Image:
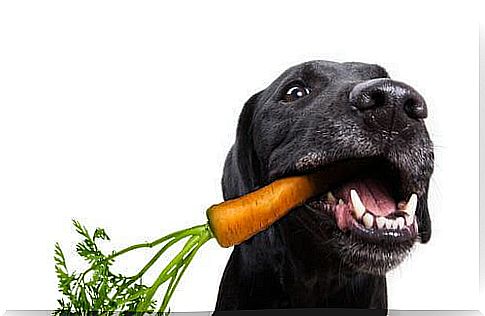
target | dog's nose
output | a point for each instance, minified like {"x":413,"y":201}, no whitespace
{"x":384,"y":92}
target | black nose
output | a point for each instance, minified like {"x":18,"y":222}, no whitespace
{"x":379,"y":93}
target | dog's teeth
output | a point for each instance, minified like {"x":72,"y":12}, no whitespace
{"x":400,"y":222}
{"x":409,"y":220}
{"x":341,"y":202}
{"x":331,"y":198}
{"x":381,"y":222}
{"x":358,"y":206}
{"x":368,"y":220}
{"x":411,"y":205}
{"x":394,"y":224}
{"x":389,"y":223}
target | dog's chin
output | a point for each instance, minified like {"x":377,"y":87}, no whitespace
{"x":358,"y":249}
{"x":361,"y":255}
{"x":366,"y":248}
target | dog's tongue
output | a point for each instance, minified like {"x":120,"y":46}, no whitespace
{"x":373,"y":194}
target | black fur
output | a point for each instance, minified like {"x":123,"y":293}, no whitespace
{"x":303,"y":260}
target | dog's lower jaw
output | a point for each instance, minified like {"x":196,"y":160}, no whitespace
{"x":273,"y":280}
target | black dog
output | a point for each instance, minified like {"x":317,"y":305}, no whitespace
{"x":366,"y":133}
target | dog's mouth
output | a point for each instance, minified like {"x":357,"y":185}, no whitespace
{"x":368,"y":205}
{"x":373,"y":210}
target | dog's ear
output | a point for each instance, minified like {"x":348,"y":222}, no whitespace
{"x":242,"y":171}
{"x":424,"y":221}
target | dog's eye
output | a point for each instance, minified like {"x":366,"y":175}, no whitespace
{"x":295,"y":91}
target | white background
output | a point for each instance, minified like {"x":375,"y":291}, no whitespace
{"x":120,"y":114}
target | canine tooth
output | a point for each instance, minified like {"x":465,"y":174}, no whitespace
{"x":411,"y":206}
{"x":331,"y":198}
{"x":400,"y":222}
{"x":368,"y":220}
{"x":359,"y":208}
{"x":381,"y":222}
{"x":341,"y":202}
{"x":409,"y":220}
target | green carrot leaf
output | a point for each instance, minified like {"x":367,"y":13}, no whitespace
{"x":99,"y":289}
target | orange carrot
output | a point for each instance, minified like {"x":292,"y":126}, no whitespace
{"x":236,"y":220}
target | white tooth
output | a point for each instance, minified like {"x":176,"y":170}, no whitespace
{"x":409,"y":220}
{"x":411,"y":206}
{"x":394,"y":224}
{"x":389,"y":223}
{"x":331,"y":198}
{"x":341,"y":202}
{"x":381,"y":222}
{"x":358,"y":206}
{"x":368,"y":220}
{"x":400,"y":222}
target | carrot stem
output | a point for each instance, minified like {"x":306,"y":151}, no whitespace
{"x":171,"y":289}
{"x":177,"y":235}
{"x":199,"y":235}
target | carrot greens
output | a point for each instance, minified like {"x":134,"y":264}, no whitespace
{"x":99,"y":289}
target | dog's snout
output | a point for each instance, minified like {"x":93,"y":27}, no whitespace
{"x":381,"y":93}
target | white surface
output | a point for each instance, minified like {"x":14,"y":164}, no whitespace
{"x":120,"y":114}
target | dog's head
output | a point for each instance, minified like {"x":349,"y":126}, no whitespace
{"x":365,"y":132}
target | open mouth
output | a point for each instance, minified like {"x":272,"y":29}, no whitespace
{"x":367,"y":213}
{"x":368,"y":199}
{"x":365,"y":207}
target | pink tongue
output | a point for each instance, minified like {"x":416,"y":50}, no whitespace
{"x":373,"y":194}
